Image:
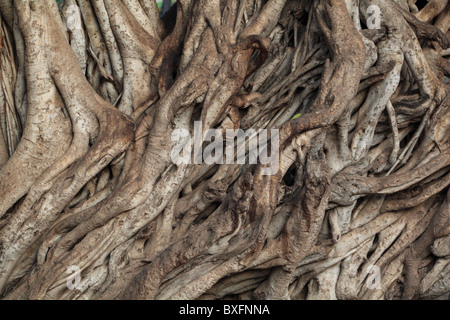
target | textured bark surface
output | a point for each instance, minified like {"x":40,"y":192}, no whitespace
{"x":92,"y":205}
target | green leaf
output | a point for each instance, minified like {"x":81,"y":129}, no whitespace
{"x":298,"y":115}
{"x":159,"y":3}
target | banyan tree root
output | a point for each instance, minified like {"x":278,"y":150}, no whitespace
{"x":352,"y":203}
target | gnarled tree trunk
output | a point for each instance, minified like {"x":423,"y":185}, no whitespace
{"x":352,"y":204}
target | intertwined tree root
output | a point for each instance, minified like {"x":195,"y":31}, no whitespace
{"x":92,"y":92}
